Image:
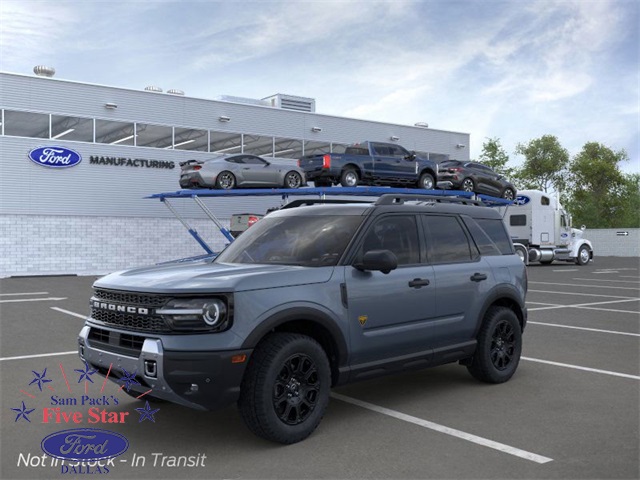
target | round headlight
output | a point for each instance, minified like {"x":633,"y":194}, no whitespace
{"x":214,"y":312}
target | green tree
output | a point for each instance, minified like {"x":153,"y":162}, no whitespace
{"x":545,"y":164}
{"x":493,"y":155}
{"x":599,"y":194}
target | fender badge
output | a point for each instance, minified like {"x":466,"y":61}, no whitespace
{"x":362,"y":319}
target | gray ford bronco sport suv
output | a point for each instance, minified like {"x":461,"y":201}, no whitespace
{"x":314,"y":297}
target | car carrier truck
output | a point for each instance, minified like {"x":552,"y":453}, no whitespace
{"x":541,"y":230}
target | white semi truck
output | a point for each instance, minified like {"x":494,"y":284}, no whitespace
{"x":541,"y":230}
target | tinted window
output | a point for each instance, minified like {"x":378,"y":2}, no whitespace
{"x":448,"y":242}
{"x":485,"y":245}
{"x":518,"y":220}
{"x":254,"y":160}
{"x":397,"y":233}
{"x":494,"y":228}
{"x":311,"y":241}
{"x":545,"y":201}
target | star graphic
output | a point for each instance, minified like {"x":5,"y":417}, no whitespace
{"x":146,"y":412}
{"x":129,"y":379}
{"x":40,"y":378}
{"x":86,"y":373}
{"x":23,"y":413}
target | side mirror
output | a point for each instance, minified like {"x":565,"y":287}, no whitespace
{"x":378,"y":260}
{"x":411,"y":156}
{"x":583,"y":228}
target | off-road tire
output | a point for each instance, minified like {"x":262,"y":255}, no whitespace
{"x":272,"y":383}
{"x":499,"y":346}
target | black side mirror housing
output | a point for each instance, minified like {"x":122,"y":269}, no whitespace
{"x":378,"y":260}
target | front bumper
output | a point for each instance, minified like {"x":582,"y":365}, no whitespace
{"x":201,"y":380}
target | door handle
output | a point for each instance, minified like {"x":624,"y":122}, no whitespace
{"x":418,"y":282}
{"x":478,"y":277}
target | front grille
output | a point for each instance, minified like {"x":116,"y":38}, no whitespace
{"x":130,"y":298}
{"x":139,"y":322}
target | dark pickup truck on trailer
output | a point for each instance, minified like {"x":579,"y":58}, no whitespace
{"x":371,"y":163}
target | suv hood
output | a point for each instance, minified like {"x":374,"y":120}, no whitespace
{"x":212,"y":277}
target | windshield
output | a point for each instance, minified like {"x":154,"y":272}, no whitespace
{"x":312,"y":241}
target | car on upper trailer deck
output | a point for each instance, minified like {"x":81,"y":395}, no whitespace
{"x":240,"y":170}
{"x":475,"y":177}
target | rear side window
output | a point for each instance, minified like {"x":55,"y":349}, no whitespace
{"x":447,"y":241}
{"x":494,"y":227}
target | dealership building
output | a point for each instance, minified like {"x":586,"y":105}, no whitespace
{"x":92,"y":217}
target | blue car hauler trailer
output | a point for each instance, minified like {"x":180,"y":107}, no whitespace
{"x":321,"y":193}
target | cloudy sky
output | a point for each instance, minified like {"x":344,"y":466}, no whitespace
{"x":514,"y":70}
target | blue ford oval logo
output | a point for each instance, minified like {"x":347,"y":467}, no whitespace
{"x":55,"y":157}
{"x":84,"y":444}
{"x":522,"y":200}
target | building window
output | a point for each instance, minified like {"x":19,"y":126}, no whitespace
{"x":72,"y":128}
{"x":155,"y":136}
{"x":26,"y":124}
{"x":258,"y":145}
{"x":225,"y":142}
{"x":316,"y":148}
{"x":191,"y":139}
{"x":287,"y":148}
{"x":115,"y":133}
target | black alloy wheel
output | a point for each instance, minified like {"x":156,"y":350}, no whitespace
{"x":503,"y":345}
{"x":295,"y":394}
{"x":499,"y":346}
{"x":285,"y":389}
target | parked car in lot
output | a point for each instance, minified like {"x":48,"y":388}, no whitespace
{"x":475,"y":177}
{"x":240,"y":170}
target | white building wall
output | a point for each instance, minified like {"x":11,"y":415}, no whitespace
{"x":611,"y":242}
{"x":54,"y":245}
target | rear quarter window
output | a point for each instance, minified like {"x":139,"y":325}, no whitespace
{"x":495,"y":230}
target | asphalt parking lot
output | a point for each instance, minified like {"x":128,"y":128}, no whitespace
{"x":571,"y":410}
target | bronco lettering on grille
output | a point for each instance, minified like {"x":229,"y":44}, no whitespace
{"x":120,"y":308}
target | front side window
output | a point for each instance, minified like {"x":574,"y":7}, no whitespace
{"x":397,"y":233}
{"x":310,"y":241}
{"x":448,"y":242}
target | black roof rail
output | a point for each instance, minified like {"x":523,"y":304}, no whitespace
{"x":399,"y":199}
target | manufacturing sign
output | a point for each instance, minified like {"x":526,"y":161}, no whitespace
{"x":55,"y":157}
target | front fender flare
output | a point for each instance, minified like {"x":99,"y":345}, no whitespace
{"x":305,"y":313}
